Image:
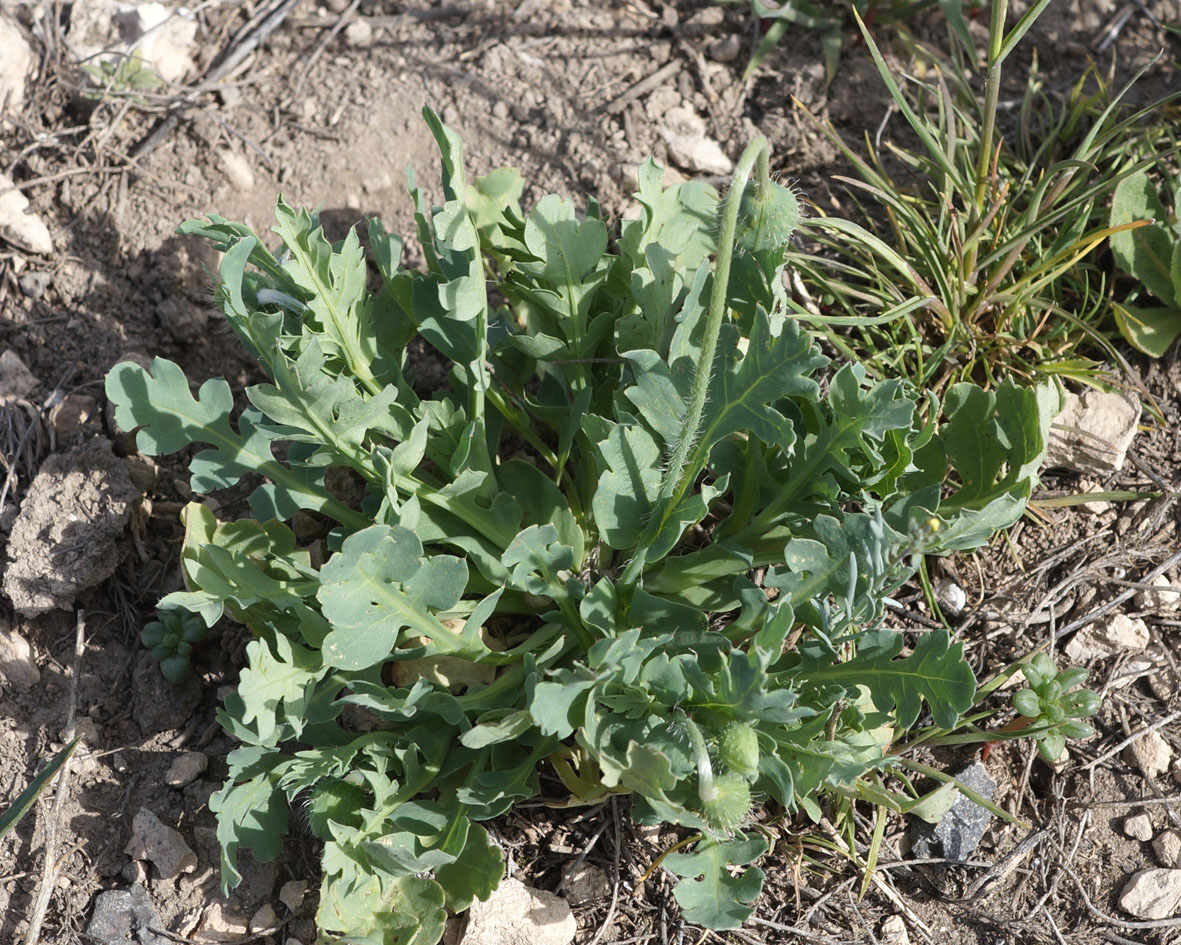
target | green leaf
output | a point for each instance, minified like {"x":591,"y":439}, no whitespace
{"x":1146,"y":252}
{"x":934,"y":671}
{"x":709,"y":895}
{"x":251,"y":814}
{"x":1151,"y":330}
{"x":407,"y":910}
{"x":277,"y":681}
{"x":380,"y":584}
{"x":475,"y":874}
{"x":28,"y":797}
{"x":624,"y":497}
{"x":534,"y":561}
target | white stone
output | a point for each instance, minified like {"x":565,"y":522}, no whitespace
{"x":1099,"y":640}
{"x":220,"y":924}
{"x":1158,"y":601}
{"x":584,"y":882}
{"x":158,"y":843}
{"x":291,"y":893}
{"x":1138,"y":827}
{"x":1167,"y":847}
{"x":517,"y":914}
{"x":1095,"y":506}
{"x":684,"y":133}
{"x":185,"y":769}
{"x":25,"y":230}
{"x":893,"y":931}
{"x":264,"y":919}
{"x":1130,"y":670}
{"x":359,"y":33}
{"x":164,"y":41}
{"x":18,"y":669}
{"x":16,"y":61}
{"x":1093,"y":432}
{"x":237,"y":169}
{"x":1151,"y":754}
{"x":1152,"y":894}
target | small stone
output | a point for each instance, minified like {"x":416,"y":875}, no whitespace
{"x":185,"y":769}
{"x":1131,"y":669}
{"x":16,"y":380}
{"x":517,"y":914}
{"x":894,"y":932}
{"x":125,"y":915}
{"x":237,"y":169}
{"x":951,"y":595}
{"x":164,"y":847}
{"x":34,"y":283}
{"x":1167,"y":847}
{"x":1158,"y":601}
{"x":292,"y":893}
{"x":18,"y":669}
{"x":1152,"y":894}
{"x":164,"y":41}
{"x":264,"y":919}
{"x":960,"y":830}
{"x":1138,"y":827}
{"x":220,"y":924}
{"x":1095,"y":506}
{"x":450,"y":115}
{"x":24,"y":230}
{"x":500,"y":110}
{"x":1151,"y":754}
{"x":16,"y":61}
{"x":584,"y":883}
{"x":684,"y":134}
{"x":726,"y":49}
{"x":359,"y":34}
{"x":704,"y":22}
{"x":1093,"y":432}
{"x":230,"y":95}
{"x":1099,"y":640}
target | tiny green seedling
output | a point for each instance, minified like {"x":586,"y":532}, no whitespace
{"x":1052,"y":709}
{"x":171,"y":637}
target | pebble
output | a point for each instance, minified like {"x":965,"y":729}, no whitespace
{"x":74,"y":412}
{"x":185,"y":769}
{"x":500,"y":110}
{"x":517,"y":914}
{"x":1138,"y":827}
{"x":1099,"y":640}
{"x":18,"y":669}
{"x":34,"y":283}
{"x":359,"y":34}
{"x":1167,"y":847}
{"x":450,"y":115}
{"x":125,"y":915}
{"x":16,"y":62}
{"x":263,"y":919}
{"x":704,"y":22}
{"x":961,"y":829}
{"x":292,"y":893}
{"x":1152,"y":894}
{"x":237,"y":169}
{"x":1093,"y":432}
{"x":1151,"y":754}
{"x":158,"y":843}
{"x":726,"y":49}
{"x":220,"y":924}
{"x":1158,"y":601}
{"x":689,"y":147}
{"x":893,"y":931}
{"x":16,"y":380}
{"x":25,"y":230}
{"x":584,"y":882}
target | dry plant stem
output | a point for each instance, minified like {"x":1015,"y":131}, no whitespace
{"x":50,"y":866}
{"x":1118,"y":599}
{"x":1135,"y":736}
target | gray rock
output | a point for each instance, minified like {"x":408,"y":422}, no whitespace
{"x":1093,"y":432}
{"x":34,"y":283}
{"x":18,"y":666}
{"x":1152,"y":894}
{"x":123,"y":916}
{"x":960,"y":830}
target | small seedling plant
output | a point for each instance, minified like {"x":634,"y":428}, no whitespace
{"x":640,"y":543}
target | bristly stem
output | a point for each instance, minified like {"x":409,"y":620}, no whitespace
{"x":679,"y":476}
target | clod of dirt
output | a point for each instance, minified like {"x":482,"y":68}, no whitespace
{"x":359,"y":34}
{"x":158,"y":843}
{"x":182,"y":319}
{"x":517,"y":914}
{"x":185,"y":769}
{"x":72,"y":414}
{"x":1151,"y":754}
{"x":292,"y":893}
{"x":124,"y":916}
{"x":63,"y":540}
{"x":17,"y":666}
{"x":16,"y":61}
{"x":960,"y":830}
{"x":583,"y":882}
{"x":688,"y":147}
{"x":160,"y":705}
{"x":1152,"y":894}
{"x":24,"y":230}
{"x":1096,"y":641}
{"x":1093,"y":432}
{"x":1158,"y":601}
{"x":1167,"y":847}
{"x":1138,"y":827}
{"x":893,"y":931}
{"x":16,"y":380}
{"x":704,"y":22}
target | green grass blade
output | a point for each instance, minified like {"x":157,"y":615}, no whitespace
{"x":28,"y":797}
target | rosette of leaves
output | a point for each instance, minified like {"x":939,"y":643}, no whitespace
{"x":645,"y":508}
{"x":171,"y":637}
{"x":1052,"y":709}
